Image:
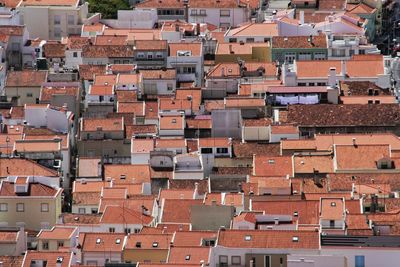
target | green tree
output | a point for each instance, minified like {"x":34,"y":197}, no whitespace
{"x":108,"y":8}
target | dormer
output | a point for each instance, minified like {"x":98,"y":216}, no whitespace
{"x":384,"y":163}
{"x":21,"y":185}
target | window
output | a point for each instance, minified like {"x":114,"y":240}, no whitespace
{"x":127,"y":230}
{"x":71,"y":19}
{"x":20,"y":207}
{"x":57,"y":32}
{"x":3,"y":207}
{"x":149,"y":56}
{"x":302,"y":84}
{"x":232,"y":40}
{"x":45,"y":245}
{"x":359,"y":261}
{"x":225,"y":13}
{"x":236,"y":260}
{"x":222,"y":150}
{"x":319,"y":56}
{"x":29,"y":95}
{"x":304,"y":56}
{"x":44,"y":207}
{"x":202,"y":12}
{"x":193,"y":12}
{"x":249,"y":40}
{"x":57,"y":19}
{"x":321,"y":84}
{"x":290,"y":57}
{"x":75,"y":54}
{"x":331,"y":223}
{"x":268,"y":261}
{"x":169,"y":87}
{"x":94,"y":210}
{"x":338,"y":52}
{"x":60,"y":244}
{"x":223,"y":259}
{"x":206,"y":150}
{"x":111,"y":230}
{"x":81,"y":210}
{"x":136,"y":230}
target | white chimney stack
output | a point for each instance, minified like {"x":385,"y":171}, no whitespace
{"x":301,"y":16}
{"x":332,"y":77}
{"x":344,"y":69}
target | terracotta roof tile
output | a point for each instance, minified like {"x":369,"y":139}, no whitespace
{"x":57,"y":232}
{"x":131,"y":173}
{"x":172,"y":215}
{"x":50,"y":257}
{"x":193,"y":238}
{"x":344,"y":115}
{"x":268,"y":239}
{"x":148,"y":241}
{"x":34,"y":190}
{"x":24,"y":167}
{"x":158,"y":74}
{"x":54,"y":50}
{"x":307,"y":210}
{"x":100,"y":242}
{"x":87,"y":72}
{"x":26,"y":78}
{"x":189,"y":254}
{"x":146,"y":45}
{"x":123,"y":215}
{"x":106,"y":51}
{"x":106,"y":124}
{"x":80,"y":219}
{"x":303,"y":42}
{"x":194,"y":48}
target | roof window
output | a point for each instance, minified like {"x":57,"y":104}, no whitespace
{"x":295,"y":239}
{"x":247,"y":237}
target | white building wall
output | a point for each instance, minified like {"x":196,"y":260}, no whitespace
{"x":133,"y":19}
{"x":72,"y":62}
{"x":380,"y":256}
{"x":213,"y":16}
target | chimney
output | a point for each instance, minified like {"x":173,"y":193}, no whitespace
{"x":354,"y":141}
{"x":230,"y":49}
{"x":344,"y":70}
{"x":223,"y":72}
{"x":332,"y":77}
{"x":301,"y":16}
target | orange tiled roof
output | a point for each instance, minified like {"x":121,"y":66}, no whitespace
{"x":192,"y":238}
{"x":100,"y":242}
{"x":182,"y":215}
{"x":268,"y":239}
{"x":194,"y":48}
{"x":35,"y":190}
{"x":188,"y":254}
{"x":57,"y":232}
{"x":50,"y":257}
{"x":26,"y":78}
{"x":133,"y":173}
{"x":106,"y":124}
{"x":148,"y":241}
{"x":123,"y":215}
